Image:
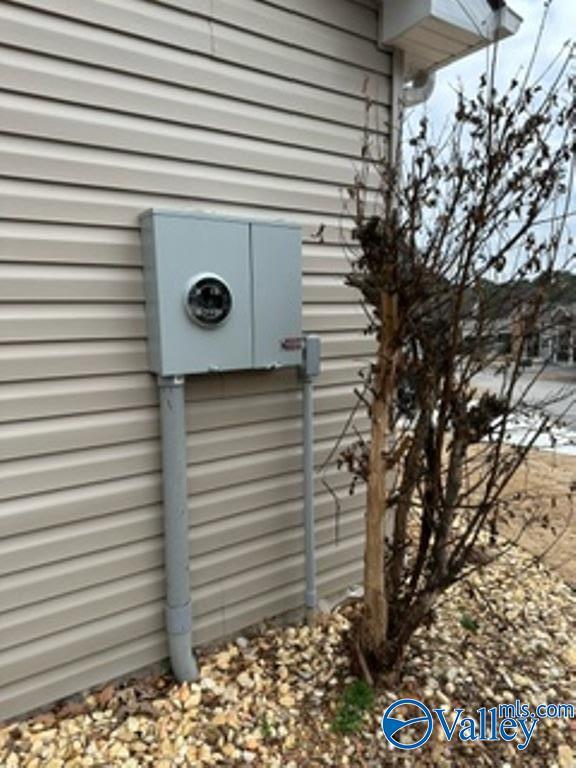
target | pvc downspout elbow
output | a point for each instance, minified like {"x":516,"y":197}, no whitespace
{"x":419,"y":89}
{"x":176,"y":529}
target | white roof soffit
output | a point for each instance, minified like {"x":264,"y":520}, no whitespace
{"x":434,"y":33}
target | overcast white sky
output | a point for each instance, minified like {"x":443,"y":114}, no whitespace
{"x":514,"y":53}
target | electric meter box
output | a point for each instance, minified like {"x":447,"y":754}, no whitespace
{"x":222,"y":294}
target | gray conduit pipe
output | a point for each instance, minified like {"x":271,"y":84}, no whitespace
{"x":309,"y":527}
{"x":310,"y":369}
{"x":176,"y":550}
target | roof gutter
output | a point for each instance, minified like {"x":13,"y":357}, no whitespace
{"x":430,"y":34}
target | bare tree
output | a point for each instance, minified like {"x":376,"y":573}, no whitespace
{"x":452,"y":258}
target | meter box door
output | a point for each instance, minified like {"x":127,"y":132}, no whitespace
{"x":198,"y":293}
{"x":222,"y":294}
{"x":277,"y":295}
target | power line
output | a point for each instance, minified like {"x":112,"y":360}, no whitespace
{"x":552,"y":219}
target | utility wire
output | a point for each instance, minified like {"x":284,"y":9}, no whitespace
{"x":550,"y":219}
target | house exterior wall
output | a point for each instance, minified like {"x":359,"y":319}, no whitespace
{"x":242,"y":107}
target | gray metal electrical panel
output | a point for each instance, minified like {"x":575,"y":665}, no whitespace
{"x":222,"y":294}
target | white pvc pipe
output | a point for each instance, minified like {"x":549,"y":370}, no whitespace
{"x":419,"y":89}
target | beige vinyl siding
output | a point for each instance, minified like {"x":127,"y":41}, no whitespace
{"x":243,"y":107}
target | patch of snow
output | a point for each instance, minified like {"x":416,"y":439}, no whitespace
{"x":560,"y":439}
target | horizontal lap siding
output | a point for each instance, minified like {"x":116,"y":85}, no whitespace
{"x":243,"y":107}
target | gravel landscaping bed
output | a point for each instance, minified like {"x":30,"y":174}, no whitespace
{"x":286,"y":697}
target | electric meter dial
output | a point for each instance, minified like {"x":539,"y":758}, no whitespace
{"x":208,"y":300}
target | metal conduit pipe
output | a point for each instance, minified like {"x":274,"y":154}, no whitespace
{"x":176,"y":550}
{"x":310,"y":369}
{"x":309,"y":526}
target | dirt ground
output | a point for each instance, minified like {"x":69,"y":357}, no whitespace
{"x":551,"y":478}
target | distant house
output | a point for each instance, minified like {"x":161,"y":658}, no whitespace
{"x":552,"y":340}
{"x":247,"y":108}
{"x":557,"y":335}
